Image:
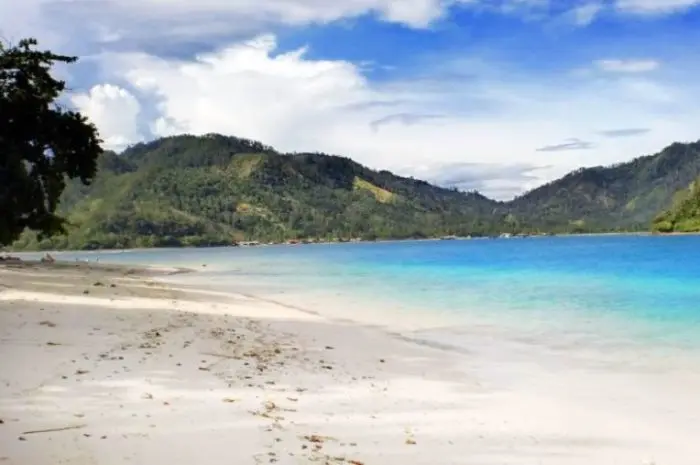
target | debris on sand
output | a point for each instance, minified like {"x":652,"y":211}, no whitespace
{"x":317,"y":439}
{"x":270,"y":406}
{"x":50,"y":324}
{"x":52,"y":430}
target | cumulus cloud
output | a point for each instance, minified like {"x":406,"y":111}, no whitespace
{"x":627,"y":66}
{"x":246,"y":90}
{"x":115,"y":111}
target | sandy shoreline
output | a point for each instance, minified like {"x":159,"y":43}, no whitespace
{"x":109,"y":365}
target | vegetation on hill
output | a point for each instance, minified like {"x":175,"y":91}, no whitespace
{"x":213,"y":190}
{"x":624,"y":197}
{"x":684,"y":215}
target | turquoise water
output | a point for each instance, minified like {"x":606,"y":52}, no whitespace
{"x":638,"y":286}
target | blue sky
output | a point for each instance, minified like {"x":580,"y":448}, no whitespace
{"x":494,"y":95}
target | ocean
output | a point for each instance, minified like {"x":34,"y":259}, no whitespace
{"x":597,"y":292}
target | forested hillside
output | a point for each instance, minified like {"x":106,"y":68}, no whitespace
{"x":684,"y":215}
{"x":623,"y":197}
{"x":188,"y":190}
{"x":211,"y":190}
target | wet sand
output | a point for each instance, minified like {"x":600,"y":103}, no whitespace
{"x":110,"y":365}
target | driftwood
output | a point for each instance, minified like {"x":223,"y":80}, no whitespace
{"x":52,"y":430}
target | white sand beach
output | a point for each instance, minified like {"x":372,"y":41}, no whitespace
{"x":106,"y":365}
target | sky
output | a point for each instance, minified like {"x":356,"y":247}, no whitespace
{"x":498,"y":96}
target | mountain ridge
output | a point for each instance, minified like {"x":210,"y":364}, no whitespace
{"x":623,"y":196}
{"x":210,"y":190}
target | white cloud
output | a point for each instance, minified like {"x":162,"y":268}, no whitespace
{"x":412,"y":126}
{"x":417,"y":13}
{"x":648,"y":7}
{"x":87,"y":25}
{"x":412,"y":12}
{"x":501,"y":181}
{"x":132,"y":21}
{"x":585,"y":14}
{"x":243,"y":90}
{"x":114,"y":111}
{"x":627,"y":66}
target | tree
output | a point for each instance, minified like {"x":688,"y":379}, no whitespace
{"x":41,"y":143}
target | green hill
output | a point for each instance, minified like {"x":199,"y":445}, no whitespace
{"x":188,"y":190}
{"x":625,"y":197}
{"x":212,"y":190}
{"x":684,"y":215}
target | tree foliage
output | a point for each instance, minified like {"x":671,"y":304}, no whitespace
{"x":623,"y":197}
{"x":41,"y":144}
{"x":684,"y":214}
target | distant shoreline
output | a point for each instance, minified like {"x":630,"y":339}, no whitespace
{"x":301,"y":242}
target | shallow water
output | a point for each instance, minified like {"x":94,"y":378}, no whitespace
{"x":610,"y":291}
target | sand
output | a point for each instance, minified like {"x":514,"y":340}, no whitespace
{"x":110,"y":365}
